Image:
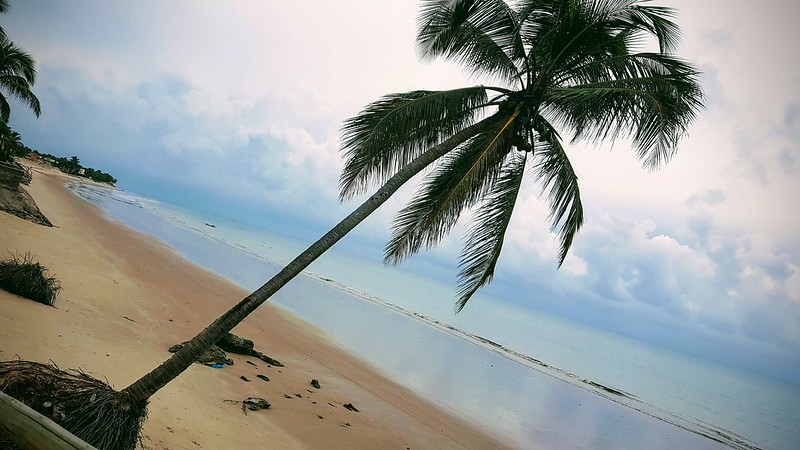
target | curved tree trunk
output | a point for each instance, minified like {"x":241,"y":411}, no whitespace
{"x":149,"y":384}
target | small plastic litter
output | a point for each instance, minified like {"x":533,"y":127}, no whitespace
{"x":218,"y":366}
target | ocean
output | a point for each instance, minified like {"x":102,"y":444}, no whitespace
{"x":537,"y":380}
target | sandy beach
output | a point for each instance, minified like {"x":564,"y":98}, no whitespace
{"x":126,"y":298}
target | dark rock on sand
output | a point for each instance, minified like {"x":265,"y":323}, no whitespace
{"x":267,"y":359}
{"x":235,"y":344}
{"x":263,"y":377}
{"x":255,"y":403}
{"x":350,"y":407}
{"x":315,"y":383}
{"x":244,"y":378}
{"x":210,"y":357}
{"x":241,"y":346}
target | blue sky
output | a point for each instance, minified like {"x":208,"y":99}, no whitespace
{"x":236,"y":107}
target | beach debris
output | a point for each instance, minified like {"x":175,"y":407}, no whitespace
{"x":241,"y":346}
{"x":350,"y":407}
{"x":251,"y":363}
{"x":210,"y":225}
{"x":128,"y":318}
{"x":235,"y":344}
{"x":211,"y":357}
{"x":85,"y":406}
{"x":287,"y":396}
{"x":298,"y":395}
{"x":218,"y":366}
{"x":263,"y":377}
{"x":244,"y":378}
{"x":255,"y":403}
{"x":22,"y":275}
{"x":315,"y":383}
{"x":267,"y":359}
{"x":252,"y":404}
{"x":320,"y":416}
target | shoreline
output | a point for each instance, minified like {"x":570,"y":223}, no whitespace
{"x":605,"y":391}
{"x":609,"y":393}
{"x":127,"y":297}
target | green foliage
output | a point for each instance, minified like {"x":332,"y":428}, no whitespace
{"x":17,"y":75}
{"x":73,"y":166}
{"x":21,"y":275}
{"x":10,"y":143}
{"x":575,"y":67}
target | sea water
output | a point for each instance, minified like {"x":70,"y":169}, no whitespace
{"x":535,"y":379}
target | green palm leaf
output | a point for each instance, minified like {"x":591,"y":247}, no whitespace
{"x":648,"y":97}
{"x":558,"y":179}
{"x":478,"y":34}
{"x":487,"y":233}
{"x":392,"y":131}
{"x":457,"y":183}
{"x":17,"y":74}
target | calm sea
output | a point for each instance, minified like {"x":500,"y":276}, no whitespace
{"x":532,"y":378}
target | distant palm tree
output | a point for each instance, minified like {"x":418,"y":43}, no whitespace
{"x":569,"y":66}
{"x":10,"y":143}
{"x":17,"y":74}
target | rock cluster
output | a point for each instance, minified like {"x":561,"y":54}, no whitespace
{"x":215,"y":355}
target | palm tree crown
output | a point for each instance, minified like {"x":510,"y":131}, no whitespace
{"x":17,"y":75}
{"x":574,"y":67}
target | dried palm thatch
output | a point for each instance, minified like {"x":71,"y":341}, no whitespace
{"x":21,"y":275}
{"x":87,"y":407}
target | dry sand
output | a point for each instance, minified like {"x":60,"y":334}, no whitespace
{"x":127,"y":297}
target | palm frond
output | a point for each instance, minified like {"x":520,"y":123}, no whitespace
{"x":17,"y":75}
{"x":487,"y":233}
{"x":654,"y":20}
{"x":21,"y":90}
{"x":481,"y":35}
{"x":558,"y":179}
{"x":650,"y":97}
{"x":392,"y":131}
{"x":457,"y":183}
{"x":14,"y":61}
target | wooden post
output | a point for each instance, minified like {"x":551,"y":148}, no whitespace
{"x":32,"y":431}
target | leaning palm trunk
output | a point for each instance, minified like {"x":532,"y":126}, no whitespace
{"x":99,"y":414}
{"x":149,"y":384}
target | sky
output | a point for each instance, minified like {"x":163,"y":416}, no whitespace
{"x":235,"y":108}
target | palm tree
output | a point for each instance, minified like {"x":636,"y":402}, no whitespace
{"x":561,"y":66}
{"x":567,"y":65}
{"x":10,"y":143}
{"x":17,"y":75}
